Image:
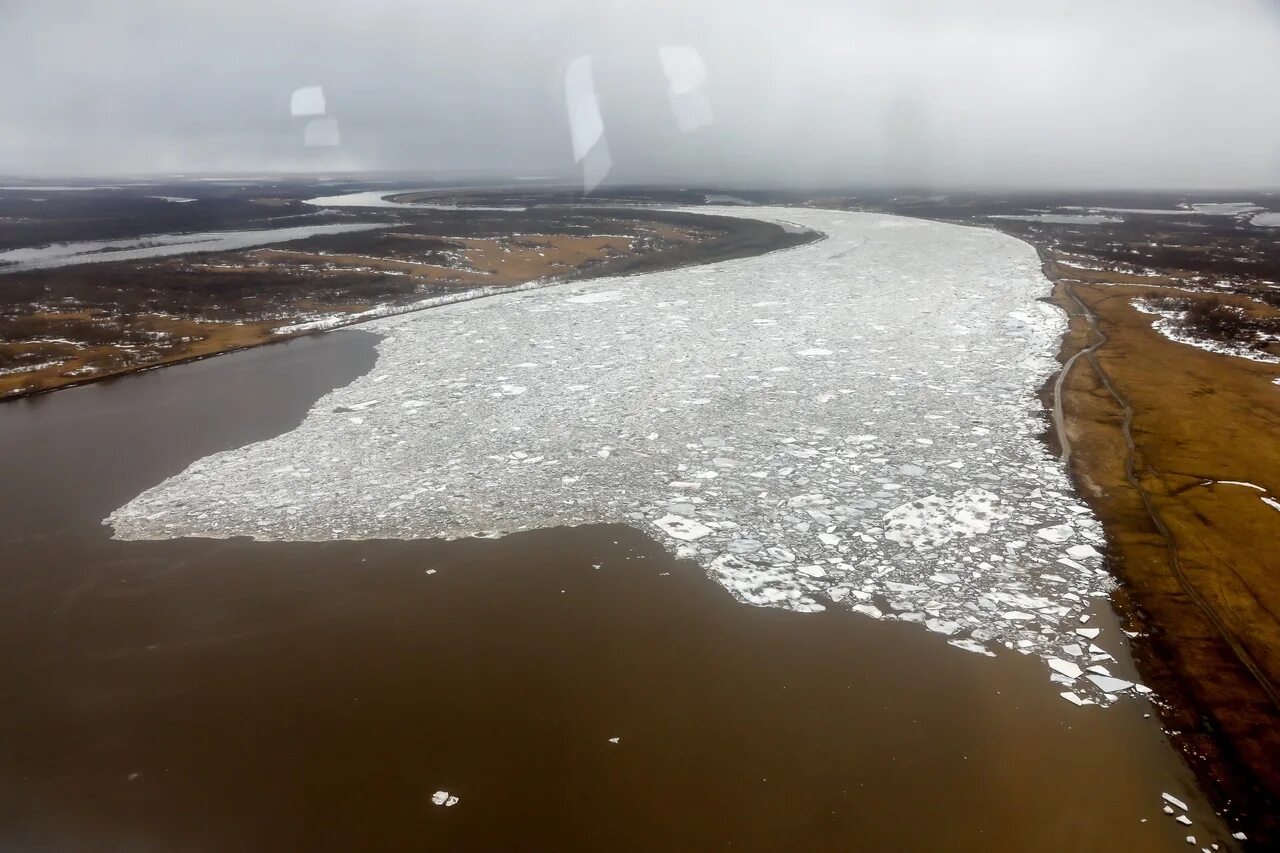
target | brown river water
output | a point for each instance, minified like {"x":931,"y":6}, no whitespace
{"x":218,"y":695}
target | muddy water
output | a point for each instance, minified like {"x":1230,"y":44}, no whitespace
{"x":215,"y":695}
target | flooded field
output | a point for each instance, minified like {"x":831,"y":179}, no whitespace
{"x":573,"y":688}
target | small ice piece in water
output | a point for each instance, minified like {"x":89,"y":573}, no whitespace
{"x":1082,"y":552}
{"x":971,"y":646}
{"x":614,"y":739}
{"x":682,"y":528}
{"x":1108,"y":684}
{"x":443,"y":798}
{"x":1065,"y":667}
{"x":1073,"y":698}
{"x":1172,"y":800}
{"x":1183,"y":819}
{"x":942,"y":626}
{"x":1057,"y":533}
{"x":1089,"y":633}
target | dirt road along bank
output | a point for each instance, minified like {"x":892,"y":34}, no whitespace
{"x":1174,"y":448}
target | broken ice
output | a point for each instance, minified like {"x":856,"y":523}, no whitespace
{"x":809,"y":426}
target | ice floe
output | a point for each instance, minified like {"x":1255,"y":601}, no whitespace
{"x":444,"y":798}
{"x":897,"y":473}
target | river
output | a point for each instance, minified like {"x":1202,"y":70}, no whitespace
{"x":575,"y":687}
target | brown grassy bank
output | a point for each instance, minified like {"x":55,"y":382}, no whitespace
{"x":74,"y":325}
{"x":1198,"y":557}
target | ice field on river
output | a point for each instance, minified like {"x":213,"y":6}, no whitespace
{"x":851,"y":423}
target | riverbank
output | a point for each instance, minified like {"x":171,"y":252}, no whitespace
{"x":75,"y":325}
{"x":1171,"y":442}
{"x":1174,"y":449}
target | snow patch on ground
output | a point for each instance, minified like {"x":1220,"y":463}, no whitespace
{"x":1169,"y":325}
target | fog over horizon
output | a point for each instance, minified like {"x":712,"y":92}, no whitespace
{"x":1002,"y":94}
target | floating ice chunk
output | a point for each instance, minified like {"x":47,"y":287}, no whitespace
{"x":830,"y":539}
{"x":1073,"y":698}
{"x":1056,"y":533}
{"x":971,"y":646}
{"x":1089,"y":633}
{"x":1108,"y":684}
{"x":812,"y":571}
{"x":1174,"y":801}
{"x":513,"y":390}
{"x":942,"y":626}
{"x":614,"y":739}
{"x":1018,"y":615}
{"x":934,"y":521}
{"x":1183,"y":819}
{"x":1067,"y":668}
{"x":1082,"y":552}
{"x":1239,"y":836}
{"x":444,"y":798}
{"x":945,"y":577}
{"x":678,"y":527}
{"x":867,"y":610}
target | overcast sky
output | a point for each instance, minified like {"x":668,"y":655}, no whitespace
{"x":1130,"y":93}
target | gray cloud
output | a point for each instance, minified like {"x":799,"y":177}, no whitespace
{"x":986,"y":93}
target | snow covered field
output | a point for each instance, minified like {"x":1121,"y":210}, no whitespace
{"x":850,"y":423}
